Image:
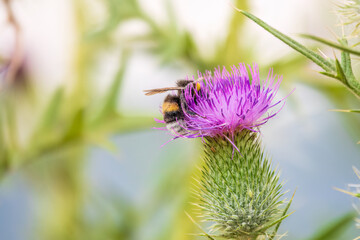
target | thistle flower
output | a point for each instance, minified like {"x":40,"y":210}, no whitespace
{"x":227,"y":102}
{"x":240,"y":194}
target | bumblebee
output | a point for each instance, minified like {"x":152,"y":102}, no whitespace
{"x":174,"y":106}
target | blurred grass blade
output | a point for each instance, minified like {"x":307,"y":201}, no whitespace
{"x":10,"y":125}
{"x":75,"y":129}
{"x":113,"y":92}
{"x":49,"y":121}
{"x":133,"y":123}
{"x":228,"y":50}
{"x":52,"y":110}
{"x":112,"y":95}
{"x":335,"y":229}
{"x":118,"y":11}
{"x":331,"y":44}
{"x":346,"y":110}
{"x":105,"y":144}
{"x":316,"y":58}
{"x":4,"y":156}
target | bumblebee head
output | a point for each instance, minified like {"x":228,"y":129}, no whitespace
{"x":183,"y":83}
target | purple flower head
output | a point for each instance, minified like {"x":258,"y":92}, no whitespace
{"x":228,"y":102}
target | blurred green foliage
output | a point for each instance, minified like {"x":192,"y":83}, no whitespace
{"x":335,"y":229}
{"x":70,"y":123}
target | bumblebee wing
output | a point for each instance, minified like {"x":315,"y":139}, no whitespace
{"x":160,"y":90}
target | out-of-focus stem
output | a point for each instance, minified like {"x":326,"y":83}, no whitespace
{"x":18,"y":54}
{"x":68,"y":178}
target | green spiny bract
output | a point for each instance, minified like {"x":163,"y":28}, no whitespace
{"x":240,"y":193}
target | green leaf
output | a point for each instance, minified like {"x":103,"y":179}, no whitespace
{"x":50,"y":121}
{"x":331,"y":44}
{"x":352,"y":82}
{"x":112,"y":95}
{"x":328,"y":74}
{"x":340,"y":73}
{"x":103,"y":142}
{"x":113,"y":92}
{"x":10,"y":122}
{"x":228,"y":51}
{"x":75,"y":129}
{"x":334,"y":230}
{"x":118,"y":11}
{"x":316,"y":58}
{"x":5,"y":163}
{"x":52,"y":110}
{"x":132,"y":123}
{"x":121,"y":124}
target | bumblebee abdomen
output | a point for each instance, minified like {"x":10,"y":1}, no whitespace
{"x":174,"y":122}
{"x":176,"y":127}
{"x":173,"y":115}
{"x":171,"y":109}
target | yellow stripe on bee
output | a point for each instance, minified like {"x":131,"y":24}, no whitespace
{"x":170,"y":107}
